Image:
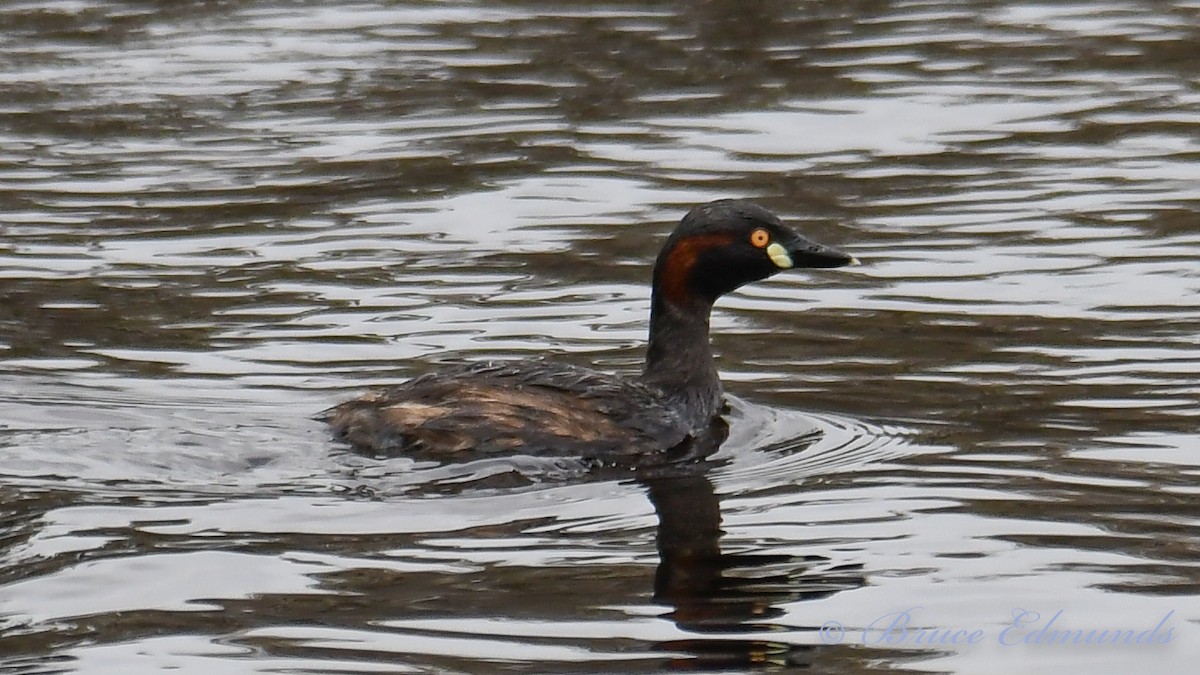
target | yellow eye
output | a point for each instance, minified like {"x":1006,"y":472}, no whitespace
{"x":760,"y":238}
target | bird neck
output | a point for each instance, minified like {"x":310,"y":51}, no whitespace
{"x":679,"y":358}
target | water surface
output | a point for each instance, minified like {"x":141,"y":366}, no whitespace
{"x":217,"y":221}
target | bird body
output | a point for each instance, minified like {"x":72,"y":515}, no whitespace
{"x":539,"y":407}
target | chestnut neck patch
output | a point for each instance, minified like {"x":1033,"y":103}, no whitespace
{"x":674,"y":277}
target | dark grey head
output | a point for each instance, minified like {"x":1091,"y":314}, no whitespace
{"x":725,"y":244}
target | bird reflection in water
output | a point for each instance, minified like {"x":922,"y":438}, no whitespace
{"x":713,"y":593}
{"x":725,"y":601}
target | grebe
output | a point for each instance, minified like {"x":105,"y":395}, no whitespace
{"x":538,"y":408}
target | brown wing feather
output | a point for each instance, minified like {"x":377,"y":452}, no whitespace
{"x":533,"y":407}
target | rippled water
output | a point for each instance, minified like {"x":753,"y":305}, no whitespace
{"x":219,"y":219}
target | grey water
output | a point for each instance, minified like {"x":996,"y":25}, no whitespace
{"x":975,"y":453}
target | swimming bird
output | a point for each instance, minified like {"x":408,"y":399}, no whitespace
{"x":539,"y":407}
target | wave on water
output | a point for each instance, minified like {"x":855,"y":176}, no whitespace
{"x":115,"y":443}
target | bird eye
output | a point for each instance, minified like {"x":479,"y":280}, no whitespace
{"x":760,"y":238}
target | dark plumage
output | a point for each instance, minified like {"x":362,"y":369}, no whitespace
{"x":537,"y":407}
